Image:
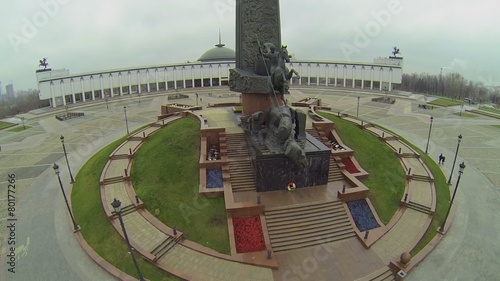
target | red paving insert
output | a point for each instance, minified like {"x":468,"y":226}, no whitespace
{"x":248,"y":234}
{"x":349,"y":166}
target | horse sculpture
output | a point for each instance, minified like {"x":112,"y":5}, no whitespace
{"x":280,"y":75}
{"x":44,"y":63}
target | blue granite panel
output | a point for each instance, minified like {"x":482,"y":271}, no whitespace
{"x":362,"y":215}
{"x":214,"y":178}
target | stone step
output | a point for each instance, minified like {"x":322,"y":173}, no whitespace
{"x":296,"y":215}
{"x":119,"y":156}
{"x":306,"y":222}
{"x":162,"y":249}
{"x":344,"y":224}
{"x":298,"y":236}
{"x":242,"y":189}
{"x":312,"y":242}
{"x":113,"y":180}
{"x":420,"y":178}
{"x":419,"y":208}
{"x":305,"y":206}
{"x":315,"y":210}
{"x":125,"y":210}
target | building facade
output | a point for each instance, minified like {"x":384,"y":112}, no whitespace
{"x":60,"y":87}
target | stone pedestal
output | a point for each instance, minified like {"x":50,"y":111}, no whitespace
{"x":274,"y":171}
{"x":251,"y":103}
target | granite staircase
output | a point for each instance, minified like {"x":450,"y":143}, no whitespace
{"x":305,"y":225}
{"x":242,"y":175}
{"x":334,"y":172}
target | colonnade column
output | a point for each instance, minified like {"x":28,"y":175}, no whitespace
{"x":83,"y":89}
{"x":61,"y":84}
{"x":381,"y":76}
{"x":327,"y":75}
{"x":210,"y":68}
{"x":390,"y":79}
{"x":129,"y":83}
{"x":220,"y":77}
{"x":120,"y":81}
{"x":362,"y":77}
{"x":335,"y":74}
{"x":371,"y":78}
{"x":111,"y":85}
{"x":175,"y":78}
{"x":165,"y":77}
{"x":192,"y":76}
{"x":102,"y":86}
{"x":148,"y":89}
{"x":183,"y":77}
{"x":344,"y":70}
{"x":353,"y":76}
{"x":92,"y":87}
{"x":138,"y":81}
{"x":308,"y":74}
{"x":201,"y":75}
{"x":156,"y":80}
{"x":72,"y":83}
{"x":52,"y":94}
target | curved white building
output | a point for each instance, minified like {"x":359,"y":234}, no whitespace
{"x":60,"y":87}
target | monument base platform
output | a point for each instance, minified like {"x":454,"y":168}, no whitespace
{"x":275,"y":170}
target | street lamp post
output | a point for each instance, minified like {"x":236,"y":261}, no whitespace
{"x":429,"y":136}
{"x":357,"y":109}
{"x":66,"y":156}
{"x":56,"y":170}
{"x":455,"y":159}
{"x":117,"y":206}
{"x":106,"y":100}
{"x":126,"y":121}
{"x":460,"y":172}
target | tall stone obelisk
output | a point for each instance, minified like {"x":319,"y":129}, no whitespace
{"x":257,"y":22}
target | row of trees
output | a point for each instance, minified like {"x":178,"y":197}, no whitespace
{"x":450,"y":85}
{"x":25,"y":101}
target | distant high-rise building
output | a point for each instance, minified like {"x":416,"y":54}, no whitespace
{"x":1,"y":88}
{"x":10,"y":91}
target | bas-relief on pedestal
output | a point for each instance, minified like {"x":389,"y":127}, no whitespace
{"x":282,"y":151}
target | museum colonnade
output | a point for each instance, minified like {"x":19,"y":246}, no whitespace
{"x":64,"y":89}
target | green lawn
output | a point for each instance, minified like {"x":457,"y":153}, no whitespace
{"x":95,"y":226}
{"x":5,"y":124}
{"x":165,"y":176}
{"x":387,"y":177}
{"x":19,"y":128}
{"x":490,"y":109}
{"x":486,"y":113}
{"x":446,"y":102}
{"x":465,"y":114}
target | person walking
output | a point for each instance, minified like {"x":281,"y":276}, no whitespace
{"x":440,"y":158}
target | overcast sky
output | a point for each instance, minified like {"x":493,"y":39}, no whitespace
{"x":86,"y":36}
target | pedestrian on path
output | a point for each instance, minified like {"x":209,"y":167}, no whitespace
{"x":440,"y":158}
{"x":442,"y":161}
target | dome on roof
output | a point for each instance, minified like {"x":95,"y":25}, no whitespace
{"x":219,"y":53}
